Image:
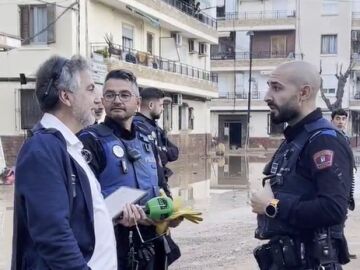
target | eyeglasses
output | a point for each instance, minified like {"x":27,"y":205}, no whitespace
{"x":124,"y":96}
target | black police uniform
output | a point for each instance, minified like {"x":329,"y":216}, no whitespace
{"x":311,"y":176}
{"x":165,"y":151}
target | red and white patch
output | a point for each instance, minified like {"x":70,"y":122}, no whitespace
{"x":323,"y":159}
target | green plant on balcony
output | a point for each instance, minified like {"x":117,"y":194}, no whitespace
{"x":104,"y":52}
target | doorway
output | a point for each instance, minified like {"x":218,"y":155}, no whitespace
{"x":234,"y":135}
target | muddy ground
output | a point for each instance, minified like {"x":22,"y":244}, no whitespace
{"x":224,"y":240}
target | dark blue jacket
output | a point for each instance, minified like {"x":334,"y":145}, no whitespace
{"x":53,"y":219}
{"x":311,"y":175}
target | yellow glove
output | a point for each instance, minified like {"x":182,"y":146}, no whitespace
{"x":179,"y":212}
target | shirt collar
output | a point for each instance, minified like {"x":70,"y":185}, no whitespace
{"x":51,"y":121}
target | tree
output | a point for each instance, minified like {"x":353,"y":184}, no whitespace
{"x":342,"y":78}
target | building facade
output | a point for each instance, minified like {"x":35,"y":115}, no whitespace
{"x":165,"y":43}
{"x":323,"y":32}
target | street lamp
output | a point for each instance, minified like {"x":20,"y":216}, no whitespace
{"x":250,"y":34}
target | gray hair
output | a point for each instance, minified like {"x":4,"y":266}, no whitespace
{"x":56,"y":74}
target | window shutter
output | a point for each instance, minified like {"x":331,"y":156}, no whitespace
{"x":25,"y":24}
{"x":51,"y":8}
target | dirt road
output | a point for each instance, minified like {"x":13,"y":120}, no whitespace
{"x":225,"y":239}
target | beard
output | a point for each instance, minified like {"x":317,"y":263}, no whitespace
{"x":155,"y":116}
{"x":84,"y":118}
{"x":285,"y":114}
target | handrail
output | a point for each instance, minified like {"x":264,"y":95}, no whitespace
{"x":258,"y":15}
{"x":193,"y":11}
{"x":146,"y":59}
{"x":255,"y":55}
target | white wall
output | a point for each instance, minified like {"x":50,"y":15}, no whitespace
{"x":258,"y":124}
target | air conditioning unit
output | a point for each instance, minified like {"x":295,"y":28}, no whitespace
{"x":192,"y":46}
{"x":202,"y":49}
{"x":178,"y":38}
{"x":177,"y":99}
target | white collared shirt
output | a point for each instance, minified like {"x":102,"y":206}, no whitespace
{"x":104,"y":256}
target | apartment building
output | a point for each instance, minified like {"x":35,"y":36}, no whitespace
{"x":166,"y":43}
{"x":323,"y":32}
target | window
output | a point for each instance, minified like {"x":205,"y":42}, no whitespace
{"x":278,"y":46}
{"x":150,"y":42}
{"x":191,"y":118}
{"x":127,"y":36}
{"x":329,"y":44}
{"x":275,"y":129}
{"x":167,"y":115}
{"x":34,"y":19}
{"x":329,"y":91}
{"x":330,"y":7}
{"x":192,"y":46}
{"x":29,"y":108}
{"x":202,"y":48}
{"x":183,"y":120}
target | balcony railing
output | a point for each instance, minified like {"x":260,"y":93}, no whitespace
{"x":356,"y":15}
{"x":192,"y":11}
{"x":152,"y":61}
{"x":255,"y":55}
{"x":255,"y":94}
{"x":259,"y":15}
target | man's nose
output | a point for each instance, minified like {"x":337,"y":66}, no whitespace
{"x":267,"y":97}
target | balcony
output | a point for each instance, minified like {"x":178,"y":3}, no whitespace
{"x":174,"y":15}
{"x":261,"y":20}
{"x":355,"y":58}
{"x":193,"y":12}
{"x":152,"y":70}
{"x":238,"y":100}
{"x":356,"y":19}
{"x":229,"y":61}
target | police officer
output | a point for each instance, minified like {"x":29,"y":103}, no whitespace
{"x":122,"y":156}
{"x":303,"y":205}
{"x":152,"y":106}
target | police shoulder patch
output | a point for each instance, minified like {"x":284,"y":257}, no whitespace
{"x":323,"y":159}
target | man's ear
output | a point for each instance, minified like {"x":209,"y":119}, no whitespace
{"x":65,"y":98}
{"x":305,"y":92}
{"x":151,"y":104}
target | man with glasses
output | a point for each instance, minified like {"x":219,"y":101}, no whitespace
{"x":121,"y":156}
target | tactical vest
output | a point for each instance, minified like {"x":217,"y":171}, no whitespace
{"x":285,"y":179}
{"x":129,"y":163}
{"x":148,"y":129}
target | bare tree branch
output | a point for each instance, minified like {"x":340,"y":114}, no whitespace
{"x":342,"y":79}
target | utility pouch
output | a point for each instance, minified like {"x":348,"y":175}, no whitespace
{"x":285,"y":253}
{"x":343,"y":251}
{"x":323,"y":249}
{"x":263,"y":256}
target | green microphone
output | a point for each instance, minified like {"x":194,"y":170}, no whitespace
{"x":158,"y":208}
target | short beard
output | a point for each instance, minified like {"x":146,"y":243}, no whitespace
{"x":285,"y":115}
{"x":155,"y":116}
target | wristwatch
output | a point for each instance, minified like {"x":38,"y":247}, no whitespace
{"x":272,"y":209}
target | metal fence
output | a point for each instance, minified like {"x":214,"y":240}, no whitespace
{"x":259,"y":15}
{"x":145,"y":59}
{"x":193,"y":11}
{"x":255,"y":55}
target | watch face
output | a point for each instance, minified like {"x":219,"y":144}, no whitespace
{"x":270,"y":210}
